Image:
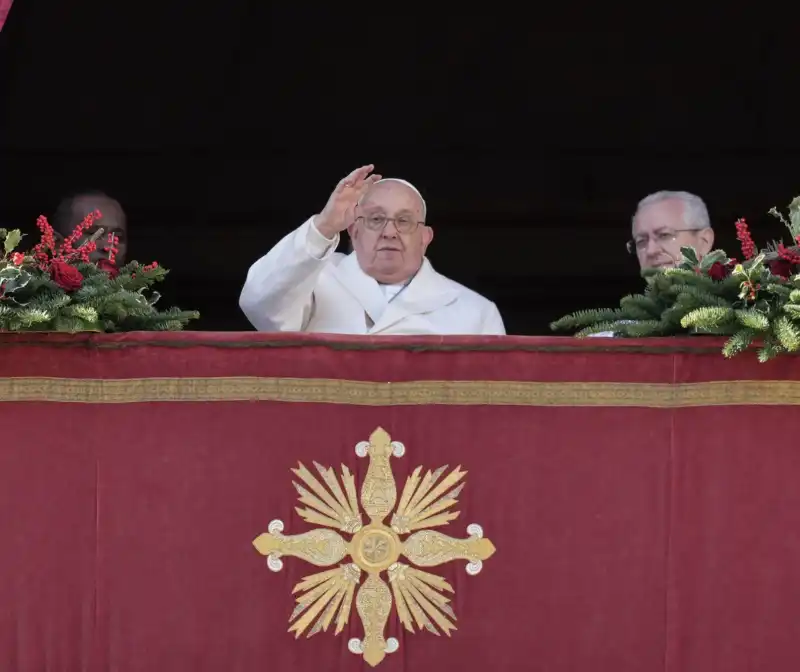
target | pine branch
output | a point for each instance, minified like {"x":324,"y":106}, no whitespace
{"x":739,"y":342}
{"x":770,"y":350}
{"x":753,"y":319}
{"x":708,"y":317}
{"x":699,"y":296}
{"x":778,"y":290}
{"x":787,"y":333}
{"x":599,"y":328}
{"x":642,"y":329}
{"x":584,"y":318}
{"x":639,"y":307}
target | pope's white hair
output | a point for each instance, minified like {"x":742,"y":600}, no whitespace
{"x":410,"y":186}
{"x":695,"y":212}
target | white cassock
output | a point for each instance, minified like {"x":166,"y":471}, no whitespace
{"x":303,"y":284}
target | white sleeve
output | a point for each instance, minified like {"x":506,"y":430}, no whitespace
{"x":278,"y":294}
{"x":493,"y":323}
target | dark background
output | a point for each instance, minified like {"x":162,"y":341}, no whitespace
{"x":531,"y":132}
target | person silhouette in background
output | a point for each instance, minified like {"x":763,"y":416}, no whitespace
{"x":73,"y":209}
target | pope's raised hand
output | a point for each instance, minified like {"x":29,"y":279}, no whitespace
{"x":339,"y":212}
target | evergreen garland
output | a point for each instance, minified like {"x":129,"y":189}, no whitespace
{"x":56,"y":287}
{"x":753,"y":302}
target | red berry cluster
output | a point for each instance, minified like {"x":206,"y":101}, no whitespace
{"x":788,"y":255}
{"x":112,"y":247}
{"x":47,"y":251}
{"x":148,"y":267}
{"x":752,"y":289}
{"x":743,"y":234}
{"x":47,"y":242}
{"x":784,"y":265}
{"x":68,"y":250}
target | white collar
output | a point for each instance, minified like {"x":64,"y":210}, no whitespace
{"x":427,"y":291}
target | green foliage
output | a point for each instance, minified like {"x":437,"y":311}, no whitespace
{"x":12,"y":239}
{"x":793,"y":222}
{"x":30,"y":300}
{"x":714,"y":295}
{"x":739,"y":342}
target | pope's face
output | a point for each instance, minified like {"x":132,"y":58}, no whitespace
{"x":389,"y":235}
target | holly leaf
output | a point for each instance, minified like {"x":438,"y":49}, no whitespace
{"x":11,"y":282}
{"x":794,"y":217}
{"x":755,"y":264}
{"x":690,"y":255}
{"x":13,"y":239}
{"x":712,"y":258}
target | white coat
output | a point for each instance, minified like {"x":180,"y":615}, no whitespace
{"x":302,"y":284}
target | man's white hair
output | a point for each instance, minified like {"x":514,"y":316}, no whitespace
{"x":410,"y":186}
{"x":695,"y":212}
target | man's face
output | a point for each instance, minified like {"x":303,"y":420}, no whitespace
{"x":384,"y":253}
{"x":659,"y":233}
{"x":113,"y":221}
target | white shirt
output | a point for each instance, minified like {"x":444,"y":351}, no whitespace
{"x":390,"y":291}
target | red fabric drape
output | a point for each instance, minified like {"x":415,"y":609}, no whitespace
{"x":642,"y":498}
{"x":5,"y":8}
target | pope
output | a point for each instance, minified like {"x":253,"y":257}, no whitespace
{"x":385,"y":286}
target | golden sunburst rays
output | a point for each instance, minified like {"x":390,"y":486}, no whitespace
{"x":329,"y":596}
{"x":424,"y":501}
{"x":332,"y":507}
{"x":422,"y":599}
{"x":419,"y":599}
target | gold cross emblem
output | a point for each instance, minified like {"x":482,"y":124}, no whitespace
{"x":419,"y":596}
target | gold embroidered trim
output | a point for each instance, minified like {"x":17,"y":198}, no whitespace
{"x":361,"y":393}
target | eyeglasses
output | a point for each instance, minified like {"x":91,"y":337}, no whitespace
{"x":661,"y":237}
{"x":403,"y":224}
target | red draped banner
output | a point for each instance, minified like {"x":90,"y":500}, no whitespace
{"x":5,"y":8}
{"x":638,"y":504}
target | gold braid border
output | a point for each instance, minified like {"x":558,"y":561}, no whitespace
{"x":361,"y":393}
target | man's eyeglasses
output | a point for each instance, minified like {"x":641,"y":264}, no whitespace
{"x":403,"y":224}
{"x":661,"y":237}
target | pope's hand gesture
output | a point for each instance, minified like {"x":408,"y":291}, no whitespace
{"x":339,"y":212}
